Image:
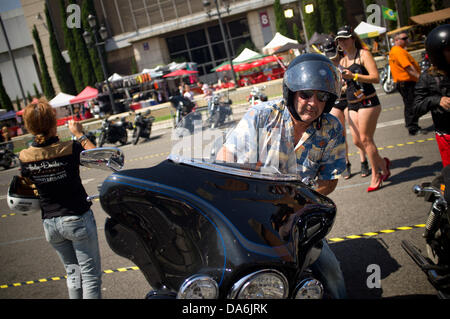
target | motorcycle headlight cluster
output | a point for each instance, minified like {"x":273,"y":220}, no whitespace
{"x":263,"y":284}
{"x":309,"y":289}
{"x":198,"y":287}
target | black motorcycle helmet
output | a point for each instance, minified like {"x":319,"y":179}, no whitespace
{"x":437,"y":40}
{"x":330,"y":48}
{"x":311,"y":71}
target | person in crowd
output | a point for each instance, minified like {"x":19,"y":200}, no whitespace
{"x":6,"y":139}
{"x":340,"y":109}
{"x":360,"y":72}
{"x":207,"y":94}
{"x":310,"y":141}
{"x":68,"y":220}
{"x":188,"y":93}
{"x":432,"y":91}
{"x":405,"y":73}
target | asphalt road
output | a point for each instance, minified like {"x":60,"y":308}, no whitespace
{"x":30,"y":268}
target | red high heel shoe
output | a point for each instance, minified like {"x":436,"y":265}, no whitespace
{"x":388,"y":164}
{"x":372,"y":189}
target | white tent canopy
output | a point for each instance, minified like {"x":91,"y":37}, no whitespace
{"x":278,"y":41}
{"x":366,"y":30}
{"x":62,"y":99}
{"x":246,"y":54}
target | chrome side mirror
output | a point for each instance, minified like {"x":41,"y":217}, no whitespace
{"x":104,"y":158}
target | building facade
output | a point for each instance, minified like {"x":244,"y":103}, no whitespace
{"x":21,"y":46}
{"x":157,"y":32}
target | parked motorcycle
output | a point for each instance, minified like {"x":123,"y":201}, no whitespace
{"x":7,"y":157}
{"x":386,"y":80}
{"x":425,"y":62}
{"x":257,"y":95}
{"x":436,"y":264}
{"x":182,"y":123}
{"x":201,"y":228}
{"x":142,"y":126}
{"x":91,"y":136}
{"x":112,"y":133}
{"x":219,"y":110}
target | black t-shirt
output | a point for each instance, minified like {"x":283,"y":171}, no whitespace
{"x":54,"y":167}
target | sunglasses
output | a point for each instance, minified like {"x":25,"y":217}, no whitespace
{"x":321,"y":96}
{"x":404,"y":39}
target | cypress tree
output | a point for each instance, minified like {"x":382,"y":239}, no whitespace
{"x":420,"y":6}
{"x":341,"y":19}
{"x":87,"y":9}
{"x":19,"y":106}
{"x":46,"y":82}
{"x":4,"y":97}
{"x":71,"y":49}
{"x":60,"y":67}
{"x":280,"y":20}
{"x":84,"y":60}
{"x":37,"y":94}
{"x":327,"y":15}
{"x":312,"y":20}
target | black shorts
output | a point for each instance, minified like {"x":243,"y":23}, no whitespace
{"x":341,"y":104}
{"x":364,"y":104}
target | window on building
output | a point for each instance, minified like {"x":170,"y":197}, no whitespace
{"x":206,"y":46}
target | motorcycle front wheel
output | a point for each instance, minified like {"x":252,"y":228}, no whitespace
{"x":136,"y":134}
{"x":101,"y":139}
{"x":7,"y":162}
{"x":389,"y":86}
{"x":124,"y":139}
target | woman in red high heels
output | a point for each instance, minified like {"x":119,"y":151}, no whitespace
{"x":360,"y":72}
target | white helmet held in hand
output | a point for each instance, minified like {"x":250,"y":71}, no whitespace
{"x":22,"y":197}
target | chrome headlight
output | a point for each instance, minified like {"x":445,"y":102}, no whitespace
{"x":309,"y":289}
{"x":199,"y":287}
{"x":263,"y":284}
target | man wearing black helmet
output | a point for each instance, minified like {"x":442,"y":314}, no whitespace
{"x":433,"y":88}
{"x":298,"y":127}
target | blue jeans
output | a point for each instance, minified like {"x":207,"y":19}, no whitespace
{"x":76,"y":242}
{"x":327,"y":267}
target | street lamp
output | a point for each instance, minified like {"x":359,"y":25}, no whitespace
{"x":206,"y":5}
{"x":103,"y":36}
{"x":308,"y":8}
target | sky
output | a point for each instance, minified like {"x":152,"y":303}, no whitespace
{"x":6,"y":5}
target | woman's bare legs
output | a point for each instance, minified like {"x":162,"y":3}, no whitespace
{"x":366,"y":122}
{"x":354,"y":130}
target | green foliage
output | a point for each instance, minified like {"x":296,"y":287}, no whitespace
{"x":71,"y":49}
{"x":37,"y":94}
{"x":340,"y":14}
{"x":134,"y":68}
{"x":327,"y":15}
{"x":312,"y":20}
{"x":84,"y":59}
{"x":29,"y":97}
{"x":280,"y":20}
{"x":296,"y":32}
{"x":60,"y":67}
{"x":19,"y":106}
{"x":5,"y":101}
{"x":46,"y":81}
{"x":88,"y":8}
{"x":420,"y":6}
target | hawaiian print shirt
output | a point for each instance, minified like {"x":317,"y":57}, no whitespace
{"x":265,"y":137}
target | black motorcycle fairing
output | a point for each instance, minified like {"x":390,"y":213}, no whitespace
{"x":210,"y":222}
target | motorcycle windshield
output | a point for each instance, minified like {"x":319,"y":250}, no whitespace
{"x":256,"y":143}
